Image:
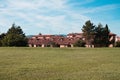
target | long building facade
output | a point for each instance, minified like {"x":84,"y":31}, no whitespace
{"x":61,"y":41}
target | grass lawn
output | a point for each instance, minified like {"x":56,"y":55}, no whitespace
{"x":59,"y":64}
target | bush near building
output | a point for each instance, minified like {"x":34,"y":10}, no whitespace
{"x":118,"y":44}
{"x":80,"y":43}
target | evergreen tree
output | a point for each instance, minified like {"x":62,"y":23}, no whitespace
{"x":106,"y":32}
{"x":1,"y":38}
{"x":101,"y":36}
{"x":15,"y":37}
{"x":88,"y":32}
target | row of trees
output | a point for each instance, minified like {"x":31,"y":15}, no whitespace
{"x":97,"y":35}
{"x":94,"y":35}
{"x":13,"y":37}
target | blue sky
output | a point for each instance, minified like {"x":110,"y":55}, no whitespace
{"x":58,"y":16}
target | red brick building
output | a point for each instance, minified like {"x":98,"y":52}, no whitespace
{"x":61,"y":41}
{"x":117,"y":38}
{"x":112,"y":39}
{"x":48,"y":40}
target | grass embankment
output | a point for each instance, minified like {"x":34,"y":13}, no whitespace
{"x":59,"y":64}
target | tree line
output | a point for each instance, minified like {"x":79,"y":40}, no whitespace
{"x":97,"y":35}
{"x":94,"y":35}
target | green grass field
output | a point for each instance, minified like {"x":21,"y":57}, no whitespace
{"x":59,"y":64}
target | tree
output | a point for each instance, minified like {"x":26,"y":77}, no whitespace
{"x":88,"y":32}
{"x":118,"y":44}
{"x":98,"y":35}
{"x":101,"y":36}
{"x":15,"y":37}
{"x":1,"y":38}
{"x":106,"y":32}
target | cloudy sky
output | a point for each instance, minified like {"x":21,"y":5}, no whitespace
{"x":58,"y":16}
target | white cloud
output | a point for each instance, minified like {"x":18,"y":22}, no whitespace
{"x":37,"y":13}
{"x":35,"y":4}
{"x":55,"y":15}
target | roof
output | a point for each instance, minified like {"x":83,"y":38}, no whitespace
{"x":112,"y":34}
{"x":56,"y":39}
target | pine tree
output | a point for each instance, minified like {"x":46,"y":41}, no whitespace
{"x":106,"y":32}
{"x":15,"y":37}
{"x":101,"y":36}
{"x":88,"y":32}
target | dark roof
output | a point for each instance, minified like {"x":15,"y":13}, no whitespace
{"x":60,"y":40}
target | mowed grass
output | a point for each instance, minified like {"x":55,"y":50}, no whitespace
{"x":59,"y":64}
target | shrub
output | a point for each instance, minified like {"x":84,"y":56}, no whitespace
{"x":118,"y":44}
{"x":79,"y":43}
